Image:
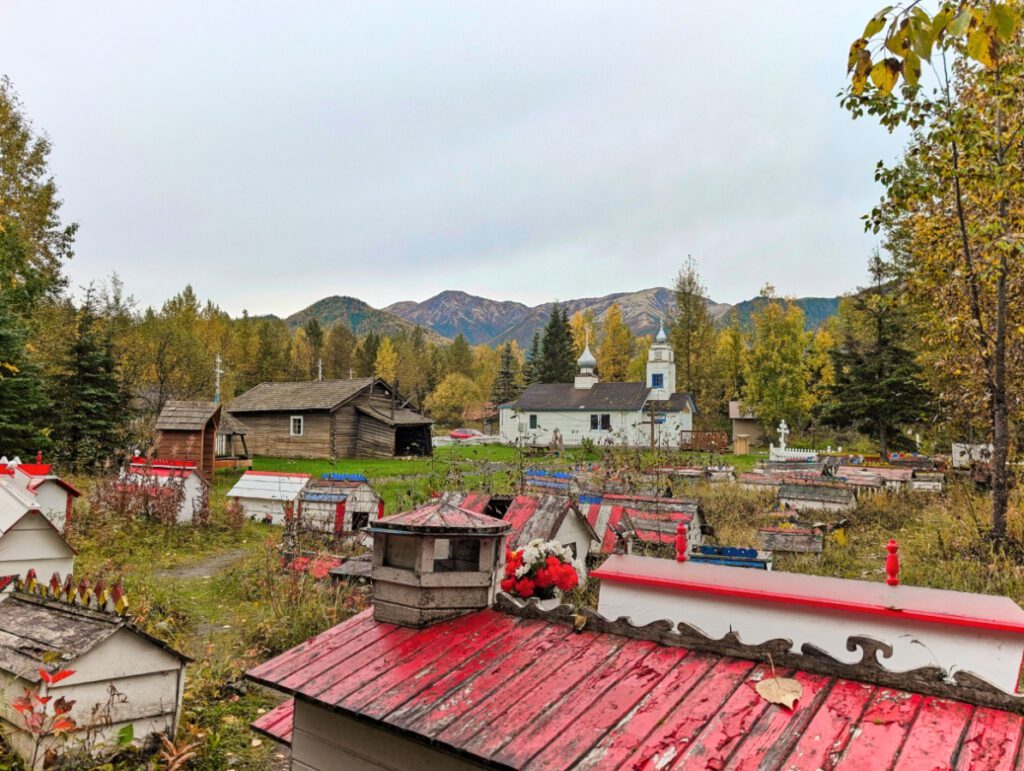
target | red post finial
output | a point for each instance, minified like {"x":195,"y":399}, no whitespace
{"x":681,"y":545}
{"x":892,"y":564}
{"x":39,"y":457}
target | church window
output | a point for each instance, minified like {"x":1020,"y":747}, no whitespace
{"x":606,"y":422}
{"x":595,"y":423}
{"x":657,"y":380}
{"x":533,"y":421}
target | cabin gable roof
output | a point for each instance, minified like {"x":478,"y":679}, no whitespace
{"x":303,"y":396}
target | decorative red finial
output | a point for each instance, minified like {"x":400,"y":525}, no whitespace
{"x":39,"y":457}
{"x":892,"y":563}
{"x":681,"y":545}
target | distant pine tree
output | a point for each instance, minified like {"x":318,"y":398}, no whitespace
{"x":460,"y":357}
{"x":91,"y":415}
{"x":557,"y":363}
{"x":23,"y":404}
{"x":366,"y":355}
{"x":506,"y":383}
{"x":531,"y":369}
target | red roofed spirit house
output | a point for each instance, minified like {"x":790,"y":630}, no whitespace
{"x":53,"y":495}
{"x":436,"y":676}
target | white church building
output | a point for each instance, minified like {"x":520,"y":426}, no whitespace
{"x":605,"y":413}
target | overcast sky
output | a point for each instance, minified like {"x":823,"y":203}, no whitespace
{"x":275,"y":153}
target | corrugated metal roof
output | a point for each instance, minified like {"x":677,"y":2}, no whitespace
{"x":186,"y":416}
{"x":302,"y":395}
{"x":269,"y":487}
{"x":604,"y":701}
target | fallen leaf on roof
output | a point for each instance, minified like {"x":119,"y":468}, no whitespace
{"x":780,"y":690}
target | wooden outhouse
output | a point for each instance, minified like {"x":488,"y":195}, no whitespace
{"x":28,"y":539}
{"x":331,"y":419}
{"x":53,"y":626}
{"x":268,"y":496}
{"x":188,"y":431}
{"x":54,"y":496}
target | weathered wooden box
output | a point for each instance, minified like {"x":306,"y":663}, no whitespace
{"x":791,"y":539}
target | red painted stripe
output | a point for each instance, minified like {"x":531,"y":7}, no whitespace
{"x":557,"y":671}
{"x":882,"y":730}
{"x":473,"y":680}
{"x":779,"y":729}
{"x":811,"y":602}
{"x":622,"y":741}
{"x":992,"y":741}
{"x":593,"y":512}
{"x":561,"y":717}
{"x":934,"y":738}
{"x":608,"y":542}
{"x":724,"y":732}
{"x":421,"y":669}
{"x":689,"y":717}
{"x":609,"y":708}
{"x":277,"y":474}
{"x":519,"y":514}
{"x":829,"y":731}
{"x":476,"y":502}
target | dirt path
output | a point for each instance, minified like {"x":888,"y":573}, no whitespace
{"x":204,"y":568}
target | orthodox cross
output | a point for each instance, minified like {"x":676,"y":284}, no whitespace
{"x":319,"y":369}
{"x":217,"y":372}
{"x":783,"y":433}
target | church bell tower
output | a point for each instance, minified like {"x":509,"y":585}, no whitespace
{"x":661,"y":367}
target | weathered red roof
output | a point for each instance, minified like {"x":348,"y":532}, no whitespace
{"x":529,"y":516}
{"x":533,"y":694}
{"x":277,"y":724}
{"x":441,"y":515}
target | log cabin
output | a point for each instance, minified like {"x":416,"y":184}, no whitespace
{"x":361,"y":417}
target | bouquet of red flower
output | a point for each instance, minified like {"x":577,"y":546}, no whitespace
{"x":538,"y":569}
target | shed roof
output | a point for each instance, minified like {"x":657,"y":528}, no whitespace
{"x":300,"y":396}
{"x":529,"y":516}
{"x":231,"y":426}
{"x":37,"y":632}
{"x":601,"y":700}
{"x":269,"y":486}
{"x":396,"y":417}
{"x":186,"y":416}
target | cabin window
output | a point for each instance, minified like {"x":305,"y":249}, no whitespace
{"x":463,"y":555}
{"x":295,"y":425}
{"x":533,"y":421}
{"x":657,"y":380}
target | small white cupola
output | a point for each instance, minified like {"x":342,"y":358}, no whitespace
{"x":435,"y":562}
{"x":661,"y":367}
{"x":586,"y":378}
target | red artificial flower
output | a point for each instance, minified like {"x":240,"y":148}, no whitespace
{"x":545,"y":578}
{"x":510,"y":569}
{"x":508,"y":584}
{"x":524,"y":587}
{"x":566,"y":578}
{"x":553,"y":562}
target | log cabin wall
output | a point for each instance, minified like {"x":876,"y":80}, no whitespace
{"x":346,"y":431}
{"x":269,"y":434}
{"x":375,"y":439}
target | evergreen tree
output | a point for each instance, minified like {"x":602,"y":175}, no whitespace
{"x":879,"y":387}
{"x":692,"y":333}
{"x":91,"y":414}
{"x":366,"y":355}
{"x":23,"y":403}
{"x":557,"y":363}
{"x":460,"y":357}
{"x":506,"y":383}
{"x":531,"y":369}
{"x":315,"y":342}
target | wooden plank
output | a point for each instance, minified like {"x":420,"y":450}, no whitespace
{"x":473,"y":681}
{"x":829,"y":731}
{"x":690,"y":715}
{"x":558,"y":671}
{"x":537,"y":734}
{"x":992,"y":741}
{"x":335,"y":689}
{"x":882,"y":730}
{"x":622,"y":741}
{"x":380,"y":697}
{"x":935,"y":736}
{"x":609,"y":708}
{"x":608,"y":541}
{"x":772,"y":738}
{"x":285,"y":663}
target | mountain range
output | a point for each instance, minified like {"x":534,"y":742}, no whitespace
{"x":490,"y":322}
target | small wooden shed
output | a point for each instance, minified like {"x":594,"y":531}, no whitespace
{"x":28,"y":539}
{"x":188,"y":431}
{"x":268,"y":495}
{"x":59,"y":625}
{"x":231,"y":449}
{"x":363,"y":502}
{"x":821,"y":496}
